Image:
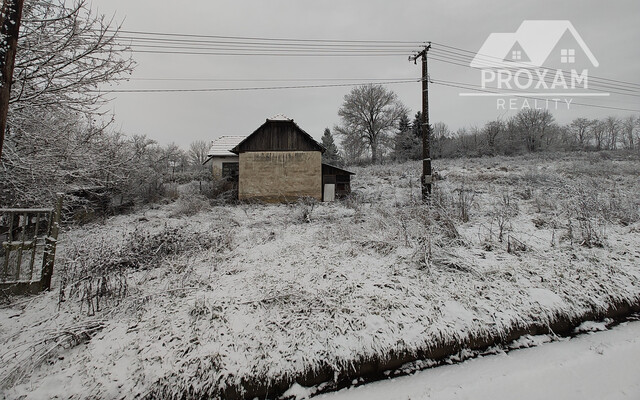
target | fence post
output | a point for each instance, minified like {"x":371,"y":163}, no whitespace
{"x":50,"y":245}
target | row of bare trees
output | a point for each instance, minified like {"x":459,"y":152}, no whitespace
{"x":536,"y":130}
{"x":609,"y":133}
{"x":376,"y":126}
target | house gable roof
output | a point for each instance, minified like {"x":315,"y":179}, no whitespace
{"x":222,"y":146}
{"x":278,"y":133}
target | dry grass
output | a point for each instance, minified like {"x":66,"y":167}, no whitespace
{"x":289,"y":289}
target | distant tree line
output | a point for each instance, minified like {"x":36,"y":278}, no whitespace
{"x":376,"y":126}
{"x":532,"y":130}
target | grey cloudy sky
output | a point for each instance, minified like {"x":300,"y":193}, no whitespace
{"x":610,"y":29}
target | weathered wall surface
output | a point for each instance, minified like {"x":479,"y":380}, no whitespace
{"x":280,"y":175}
{"x":216,"y":165}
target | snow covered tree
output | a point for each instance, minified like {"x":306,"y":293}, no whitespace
{"x":533,"y":127}
{"x":370,"y":113}
{"x":406,"y":144}
{"x":54,"y":139}
{"x":64,"y":52}
{"x":331,"y":155}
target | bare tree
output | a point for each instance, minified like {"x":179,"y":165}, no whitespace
{"x":371,"y":113}
{"x":628,"y":127}
{"x":53,"y":140}
{"x":173,"y":158}
{"x":637,"y":132}
{"x":439,"y":133}
{"x":198,"y":153}
{"x":354,"y":148}
{"x":611,"y":127}
{"x":581,"y":129}
{"x":492,"y":130}
{"x":64,"y":53}
{"x":533,"y":126}
{"x":598,"y":131}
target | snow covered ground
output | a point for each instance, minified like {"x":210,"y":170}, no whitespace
{"x":598,"y":366}
{"x":171,"y":302}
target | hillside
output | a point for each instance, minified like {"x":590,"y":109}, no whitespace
{"x":189,"y":299}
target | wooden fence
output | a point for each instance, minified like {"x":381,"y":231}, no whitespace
{"x":27,"y":255}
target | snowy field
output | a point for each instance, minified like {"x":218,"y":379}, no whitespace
{"x":601,"y":365}
{"x":186,"y":299}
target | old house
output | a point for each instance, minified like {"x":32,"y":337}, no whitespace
{"x":224,"y":163}
{"x":280,"y":162}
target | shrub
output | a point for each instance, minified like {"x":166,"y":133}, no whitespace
{"x":190,"y":204}
{"x":94,"y":269}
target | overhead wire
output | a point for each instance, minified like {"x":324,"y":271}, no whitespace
{"x":478,"y":88}
{"x":469,"y":54}
{"x":218,"y":45}
{"x":195,"y":90}
{"x":321,"y":44}
{"x":547,"y":79}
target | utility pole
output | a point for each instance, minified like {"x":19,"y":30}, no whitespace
{"x":426,"y":178}
{"x":10,"y":17}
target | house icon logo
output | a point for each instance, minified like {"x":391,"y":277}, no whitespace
{"x":537,"y":44}
{"x":543,"y":64}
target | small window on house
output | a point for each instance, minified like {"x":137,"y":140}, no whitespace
{"x":230,"y":170}
{"x":568,"y":56}
{"x":516,"y":55}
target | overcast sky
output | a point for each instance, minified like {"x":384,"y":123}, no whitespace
{"x":610,"y":29}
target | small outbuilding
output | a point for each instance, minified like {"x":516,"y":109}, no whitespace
{"x":336,"y":182}
{"x":224,"y":163}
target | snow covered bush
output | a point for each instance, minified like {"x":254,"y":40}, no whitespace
{"x":95,"y":268}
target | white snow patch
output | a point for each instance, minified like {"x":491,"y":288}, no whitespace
{"x":574,"y":369}
{"x":593,"y":326}
{"x":299,"y":392}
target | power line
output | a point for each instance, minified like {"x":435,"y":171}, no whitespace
{"x":466,"y":60}
{"x":254,"y":40}
{"x":165,"y":34}
{"x":595,"y":86}
{"x":311,"y":47}
{"x":473,"y":54}
{"x":219,"y":45}
{"x":371,"y":80}
{"x":468,"y":86}
{"x":454,"y":84}
{"x":268,"y":50}
{"x":263,"y":44}
{"x":593,"y":83}
{"x":248,"y":88}
{"x":371,"y":54}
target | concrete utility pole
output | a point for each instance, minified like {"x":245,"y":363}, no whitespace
{"x":10,"y":17}
{"x":427,"y":179}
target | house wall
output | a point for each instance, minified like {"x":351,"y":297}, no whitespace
{"x":216,"y":165}
{"x":280,"y":175}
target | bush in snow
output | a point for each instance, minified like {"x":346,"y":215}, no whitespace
{"x":94,"y":269}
